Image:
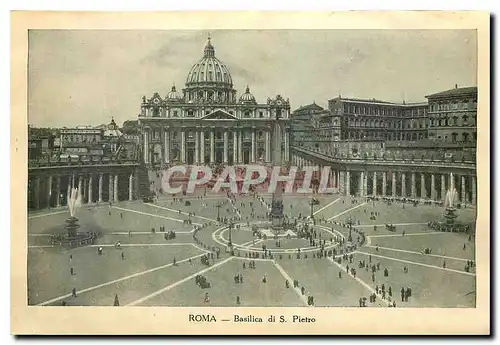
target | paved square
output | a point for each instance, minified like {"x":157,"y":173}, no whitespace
{"x":146,"y":274}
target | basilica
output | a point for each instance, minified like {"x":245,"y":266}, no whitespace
{"x":209,"y":123}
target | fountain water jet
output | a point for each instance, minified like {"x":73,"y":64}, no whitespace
{"x":449,"y":204}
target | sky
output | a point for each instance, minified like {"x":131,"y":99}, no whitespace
{"x":86,"y":77}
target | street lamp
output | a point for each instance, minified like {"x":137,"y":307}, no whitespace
{"x":219,"y":205}
{"x":311,"y":203}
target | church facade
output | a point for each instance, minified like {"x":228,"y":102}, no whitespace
{"x":207,"y":123}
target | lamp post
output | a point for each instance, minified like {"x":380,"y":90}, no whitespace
{"x":219,"y":205}
{"x":311,"y":203}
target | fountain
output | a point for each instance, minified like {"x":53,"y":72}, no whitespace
{"x":449,"y":204}
{"x":73,"y":238}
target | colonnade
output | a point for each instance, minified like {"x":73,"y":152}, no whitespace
{"x":52,"y":190}
{"x":400,"y":183}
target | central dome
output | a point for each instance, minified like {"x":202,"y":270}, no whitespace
{"x":209,"y":70}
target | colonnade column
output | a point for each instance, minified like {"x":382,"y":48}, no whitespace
{"x":403,"y":184}
{"x":115,"y":189}
{"x":58,"y":196}
{"x":443,"y":187}
{"x":100,"y":187}
{"x":37,"y":192}
{"x":212,"y":146}
{"x":413,"y":185}
{"x":80,"y":182}
{"x":235,"y":147}
{"x":341,"y":182}
{"x":474,"y":190}
{"x":226,"y":146}
{"x":463,"y":199}
{"x":423,"y":191}
{"x":49,"y":191}
{"x":166,"y":138}
{"x":374,"y":187}
{"x":268,"y":146}
{"x":196,"y":147}
{"x":202,"y":147}
{"x":253,"y":146}
{"x":384,"y":183}
{"x":393,"y":185}
{"x":131,"y":187}
{"x":183,"y":146}
{"x":110,"y":194}
{"x":348,"y":183}
{"x":433,"y":187}
{"x":361,"y":185}
{"x":90,"y":196}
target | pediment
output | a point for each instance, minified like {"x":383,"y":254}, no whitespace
{"x":219,"y":115}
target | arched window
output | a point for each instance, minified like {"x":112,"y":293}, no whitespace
{"x":465,"y":137}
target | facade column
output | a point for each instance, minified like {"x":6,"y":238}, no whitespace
{"x":183,"y":146}
{"x":115,"y":189}
{"x":49,"y":191}
{"x":166,"y":138}
{"x":286,"y":143}
{"x":348,"y":183}
{"x":253,"y":146}
{"x":365,"y":184}
{"x":403,"y":184}
{"x":393,"y":186}
{"x":268,"y":145}
{"x":226,"y":146}
{"x":100,"y":187}
{"x":72,"y":181}
{"x":433,"y":187}
{"x":90,"y":196}
{"x":131,"y":187}
{"x":443,"y":187}
{"x":212,"y":146}
{"x":361,"y":184}
{"x":58,"y":190}
{"x":235,"y":147}
{"x":474,"y":190}
{"x":413,"y":185}
{"x":196,"y":148}
{"x":334,"y":179}
{"x":202,"y":147}
{"x":374,"y":183}
{"x":423,"y":191}
{"x":384,"y":183}
{"x":111,"y":183}
{"x":240,"y":147}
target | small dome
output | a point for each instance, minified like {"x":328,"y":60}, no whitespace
{"x":173,"y":95}
{"x":112,"y":130}
{"x":247,"y":97}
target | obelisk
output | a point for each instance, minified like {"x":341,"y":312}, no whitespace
{"x":277,"y":201}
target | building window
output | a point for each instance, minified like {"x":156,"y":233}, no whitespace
{"x":175,"y":113}
{"x":246,"y":114}
{"x":190,"y":113}
{"x":261,"y":114}
{"x":454,"y":137}
{"x":465,"y":137}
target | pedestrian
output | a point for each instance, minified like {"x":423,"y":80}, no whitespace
{"x":373,"y":277}
{"x":123,"y":256}
{"x":71,"y":271}
{"x":117,"y":302}
{"x":403,"y":294}
{"x":73,"y":292}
